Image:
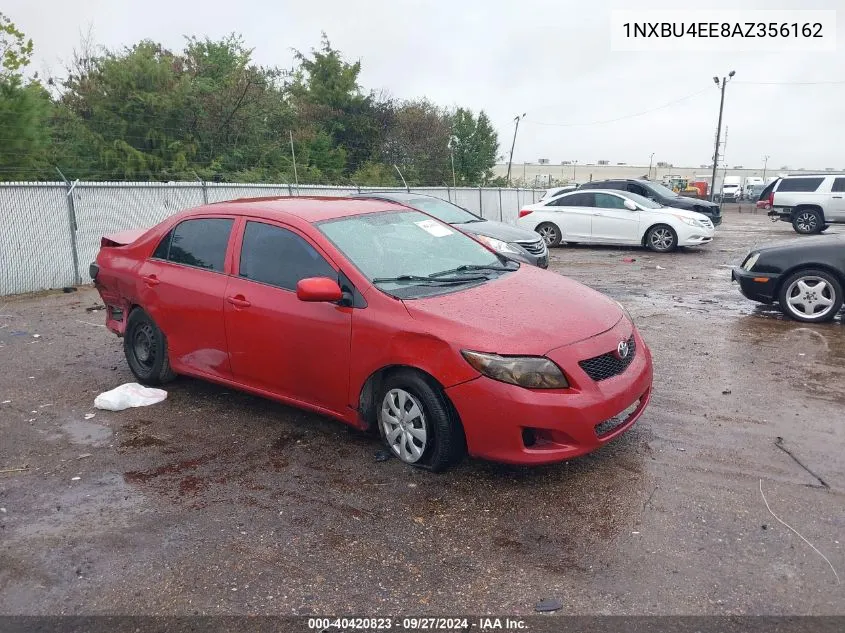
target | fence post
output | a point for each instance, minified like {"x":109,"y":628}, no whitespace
{"x":480,"y":204}
{"x":501,"y":213}
{"x":290,"y":191}
{"x":204,"y":189}
{"x":71,"y":215}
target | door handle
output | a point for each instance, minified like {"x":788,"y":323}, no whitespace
{"x":238,"y":301}
{"x":151,"y":280}
{"x":837,"y":196}
{"x":599,"y":214}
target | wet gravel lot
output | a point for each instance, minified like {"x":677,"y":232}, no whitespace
{"x":219,"y":502}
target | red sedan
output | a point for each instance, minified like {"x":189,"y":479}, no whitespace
{"x":382,"y":317}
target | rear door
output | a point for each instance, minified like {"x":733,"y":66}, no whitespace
{"x":613,"y":223}
{"x":574,"y":215}
{"x":837,"y":200}
{"x":278,"y":343}
{"x":182,"y":289}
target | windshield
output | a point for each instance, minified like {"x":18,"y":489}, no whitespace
{"x":660,"y":190}
{"x":410,"y":245}
{"x":442,"y":210}
{"x":643,"y":201}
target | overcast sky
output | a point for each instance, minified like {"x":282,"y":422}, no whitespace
{"x":549,"y":59}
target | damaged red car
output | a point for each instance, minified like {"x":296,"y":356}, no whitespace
{"x":382,"y":317}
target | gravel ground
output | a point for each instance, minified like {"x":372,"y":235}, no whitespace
{"x":217,"y":502}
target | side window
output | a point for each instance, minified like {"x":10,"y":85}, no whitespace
{"x":278,"y":257}
{"x":575,"y":200}
{"x":637,"y":189}
{"x":201,"y":243}
{"x":609,"y":201}
{"x":163,"y":247}
{"x":838,"y":185}
{"x":799,"y":184}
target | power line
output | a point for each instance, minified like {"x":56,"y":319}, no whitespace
{"x":791,"y":83}
{"x":622,"y":118}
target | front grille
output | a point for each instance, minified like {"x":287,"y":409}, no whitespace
{"x":535,"y":248}
{"x":609,"y":365}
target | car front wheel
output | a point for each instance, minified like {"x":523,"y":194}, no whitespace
{"x":416,"y":424}
{"x":811,"y":296}
{"x":145,"y":347}
{"x":661,"y":239}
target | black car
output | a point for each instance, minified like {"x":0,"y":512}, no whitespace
{"x":512,"y":242}
{"x":662,"y":195}
{"x":804,"y":276}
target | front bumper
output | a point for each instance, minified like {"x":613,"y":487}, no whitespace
{"x":694,"y":236}
{"x":513,"y":425}
{"x":761,"y":287}
{"x":524,"y":257}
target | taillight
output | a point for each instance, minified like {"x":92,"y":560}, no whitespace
{"x":524,"y":212}
{"x":772,"y":198}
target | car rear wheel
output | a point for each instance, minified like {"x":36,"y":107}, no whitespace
{"x":807,"y":221}
{"x":416,"y":424}
{"x":811,"y":296}
{"x":550,"y":233}
{"x":661,"y":239}
{"x":145,"y":347}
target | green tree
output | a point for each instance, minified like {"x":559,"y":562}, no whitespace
{"x":15,"y":48}
{"x":475,"y":145}
{"x":417,"y":142}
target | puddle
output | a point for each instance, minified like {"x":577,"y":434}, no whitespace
{"x":87,"y":432}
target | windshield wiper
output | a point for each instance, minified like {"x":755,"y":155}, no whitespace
{"x":431,"y":280}
{"x":471,"y":221}
{"x":470,"y":268}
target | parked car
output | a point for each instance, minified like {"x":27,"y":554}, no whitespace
{"x":805,"y":276}
{"x":556,"y":191}
{"x":511,"y":241}
{"x":753,"y":192}
{"x":662,"y":195}
{"x":615,"y":217}
{"x":380,"y":316}
{"x":810,"y":202}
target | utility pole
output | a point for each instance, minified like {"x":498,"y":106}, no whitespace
{"x":293,"y":155}
{"x":451,"y":146}
{"x":650,"y":160}
{"x":574,"y":164}
{"x":516,"y":120}
{"x":765,"y":162}
{"x":719,"y":130}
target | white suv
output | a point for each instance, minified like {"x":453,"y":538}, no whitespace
{"x":810,"y":202}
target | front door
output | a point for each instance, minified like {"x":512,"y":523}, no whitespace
{"x":183,"y":287}
{"x":613,"y":223}
{"x":836,"y":209}
{"x":278,"y":343}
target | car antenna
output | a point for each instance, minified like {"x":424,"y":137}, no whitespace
{"x":402,"y":177}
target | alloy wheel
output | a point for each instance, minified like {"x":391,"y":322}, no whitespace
{"x":403,"y":425}
{"x":662,"y":239}
{"x":806,"y":222}
{"x":811,"y":297}
{"x":549,"y":234}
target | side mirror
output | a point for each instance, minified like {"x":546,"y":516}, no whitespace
{"x":318,"y":289}
{"x":630,"y":205}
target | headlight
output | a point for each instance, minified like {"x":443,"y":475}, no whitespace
{"x":749,"y":263}
{"x":497,"y":245}
{"x":691,"y":221}
{"x":531,"y":372}
{"x":625,"y":312}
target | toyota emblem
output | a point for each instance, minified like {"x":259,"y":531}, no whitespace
{"x":622,"y":350}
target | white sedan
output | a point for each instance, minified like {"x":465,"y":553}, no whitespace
{"x":604,"y":216}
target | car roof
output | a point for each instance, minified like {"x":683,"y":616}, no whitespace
{"x":404,"y":196}
{"x":311,"y":209}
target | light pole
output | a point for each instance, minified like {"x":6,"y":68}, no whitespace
{"x":719,"y":130}
{"x":516,"y":120}
{"x":650,"y":159}
{"x":765,"y":162}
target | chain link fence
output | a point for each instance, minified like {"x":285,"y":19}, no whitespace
{"x":51,"y":230}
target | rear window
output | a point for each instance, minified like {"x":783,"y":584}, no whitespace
{"x":799,"y":184}
{"x":768,"y":189}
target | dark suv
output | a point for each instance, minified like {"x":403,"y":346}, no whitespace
{"x":662,"y":195}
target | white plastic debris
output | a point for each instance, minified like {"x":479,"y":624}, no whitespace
{"x":88,"y":416}
{"x":130,"y":394}
{"x":75,"y":478}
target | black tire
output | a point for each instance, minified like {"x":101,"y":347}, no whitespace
{"x":661,"y":238}
{"x":550,"y":233}
{"x":444,"y":438}
{"x":807,"y":221}
{"x":812,"y":277}
{"x":145,"y":347}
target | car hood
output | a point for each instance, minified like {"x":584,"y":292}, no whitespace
{"x":684,"y":213}
{"x":527,"y":312}
{"x":691,"y":203}
{"x":499,"y":231}
{"x":805,"y":244}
